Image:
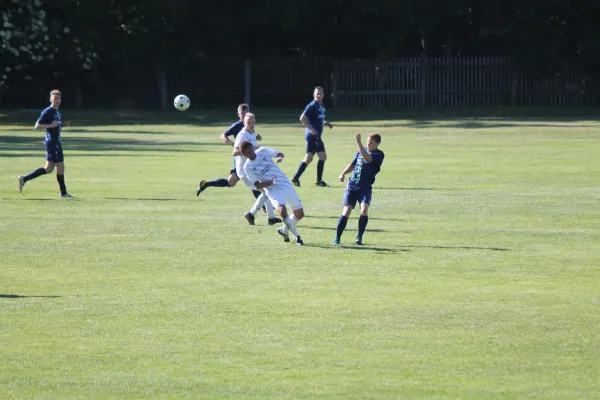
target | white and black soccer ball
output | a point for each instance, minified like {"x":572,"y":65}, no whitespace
{"x":182,"y":102}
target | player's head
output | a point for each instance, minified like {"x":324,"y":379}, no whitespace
{"x":373,"y":141}
{"x":243,"y":109}
{"x":55,"y":98}
{"x":318,"y":94}
{"x":247,"y":150}
{"x":249,"y":122}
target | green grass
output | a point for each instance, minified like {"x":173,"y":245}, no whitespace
{"x":479,"y":277}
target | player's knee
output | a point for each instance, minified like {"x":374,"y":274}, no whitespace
{"x":282,"y":212}
{"x":49,"y":168}
{"x":299,"y":214}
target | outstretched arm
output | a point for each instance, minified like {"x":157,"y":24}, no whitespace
{"x":363,"y":152}
{"x":349,"y":168}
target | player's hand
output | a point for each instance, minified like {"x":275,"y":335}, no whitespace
{"x":273,"y":181}
{"x":329,"y":124}
{"x":357,"y":137}
{"x":278,"y":160}
{"x":313,"y":132}
{"x":258,"y":137}
{"x":54,"y":124}
{"x":67,"y":123}
{"x":341,"y":177}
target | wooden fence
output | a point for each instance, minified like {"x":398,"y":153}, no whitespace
{"x":456,"y":82}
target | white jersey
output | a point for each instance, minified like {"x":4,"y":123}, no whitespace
{"x":243,"y":136}
{"x":263,"y":169}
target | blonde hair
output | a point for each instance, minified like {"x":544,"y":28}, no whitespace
{"x":55,"y":91}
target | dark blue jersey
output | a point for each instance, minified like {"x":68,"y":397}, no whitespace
{"x":316,"y":116}
{"x":48,"y":116}
{"x":234,"y":129}
{"x":364,"y":172}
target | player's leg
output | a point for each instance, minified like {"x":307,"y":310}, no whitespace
{"x":290,"y":197}
{"x":60,"y":178}
{"x":322,"y":154}
{"x":262,"y":201}
{"x":222,"y":182}
{"x":311,"y":149}
{"x":51,"y":155}
{"x":350,"y":199}
{"x":363,"y":220}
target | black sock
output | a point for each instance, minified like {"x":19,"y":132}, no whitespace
{"x":218,"y":183}
{"x":34,"y":174}
{"x":61,"y":184}
{"x":362,"y":224}
{"x":342,"y":221}
{"x":300,"y":171}
{"x":320,"y":168}
{"x":256,"y":193}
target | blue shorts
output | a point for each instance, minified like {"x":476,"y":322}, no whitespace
{"x":314,"y":144}
{"x":54,"y":152}
{"x":360,"y":195}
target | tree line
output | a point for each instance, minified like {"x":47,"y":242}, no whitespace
{"x":71,"y":38}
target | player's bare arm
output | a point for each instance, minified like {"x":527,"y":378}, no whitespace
{"x":266,"y":184}
{"x":328,"y":124}
{"x":46,"y":126}
{"x":226,"y":140}
{"x":348,"y":169}
{"x":363,"y":152}
{"x":305,"y":121}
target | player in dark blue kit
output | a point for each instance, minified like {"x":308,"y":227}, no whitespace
{"x":233,"y":179}
{"x":313,"y":118}
{"x":366,"y":164}
{"x":51,"y":121}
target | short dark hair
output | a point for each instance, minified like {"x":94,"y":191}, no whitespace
{"x":243,"y":107}
{"x":317,"y":88}
{"x":376,"y":137}
{"x":55,"y":91}
{"x":244,"y":146}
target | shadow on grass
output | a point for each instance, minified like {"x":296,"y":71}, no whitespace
{"x":348,"y":229}
{"x":357,"y":247}
{"x":370,"y":218}
{"x":466,"y":118}
{"x":146,"y":199}
{"x":416,"y":246}
{"x":19,"y":296}
{"x":94,"y":144}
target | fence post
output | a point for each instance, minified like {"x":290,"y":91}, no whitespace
{"x":161,"y":80}
{"x":247,"y":80}
{"x":424,"y":76}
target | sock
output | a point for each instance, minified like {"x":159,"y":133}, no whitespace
{"x":300,"y":171}
{"x":342,"y":221}
{"x":61,"y":184}
{"x":269,"y":208}
{"x":289,"y":223}
{"x":320,"y":168}
{"x":256,"y":193}
{"x":285,"y":229}
{"x":35,"y":174}
{"x":218,"y":183}
{"x":362,"y":224}
{"x":260,"y":202}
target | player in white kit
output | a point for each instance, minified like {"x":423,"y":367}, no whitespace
{"x":260,"y":169}
{"x":248,"y":135}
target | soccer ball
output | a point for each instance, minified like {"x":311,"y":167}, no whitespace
{"x":182,"y":102}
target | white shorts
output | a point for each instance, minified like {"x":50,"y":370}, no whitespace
{"x":283,"y":196}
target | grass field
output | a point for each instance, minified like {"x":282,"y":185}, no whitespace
{"x":479,"y":278}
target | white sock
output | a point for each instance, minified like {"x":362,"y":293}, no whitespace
{"x":269,"y":208}
{"x":290,"y":224}
{"x":285,"y":229}
{"x":260,"y":202}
